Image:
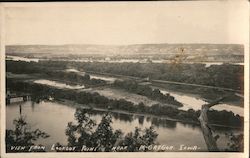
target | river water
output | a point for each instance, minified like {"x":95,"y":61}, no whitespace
{"x":53,"y":117}
{"x":17,"y":58}
{"x":58,"y":84}
{"x":192,"y":102}
{"x":188,"y":101}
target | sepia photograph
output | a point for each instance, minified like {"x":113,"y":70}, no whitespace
{"x":125,"y":78}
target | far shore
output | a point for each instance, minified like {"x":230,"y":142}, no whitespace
{"x":72,"y":103}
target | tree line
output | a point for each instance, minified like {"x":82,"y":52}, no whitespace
{"x":97,"y":101}
{"x":145,"y":90}
{"x":225,"y":75}
{"x":19,"y":67}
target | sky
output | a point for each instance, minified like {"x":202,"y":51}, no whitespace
{"x":122,"y":23}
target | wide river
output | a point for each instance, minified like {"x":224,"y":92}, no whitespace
{"x":17,"y":58}
{"x":53,"y":118}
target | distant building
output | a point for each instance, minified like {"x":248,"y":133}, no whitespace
{"x":14,"y":98}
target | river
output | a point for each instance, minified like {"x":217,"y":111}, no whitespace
{"x":18,"y":58}
{"x":192,"y":102}
{"x":189,"y":101}
{"x":58,"y":84}
{"x":53,"y":117}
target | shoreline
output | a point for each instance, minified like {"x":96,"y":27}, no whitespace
{"x":72,"y":103}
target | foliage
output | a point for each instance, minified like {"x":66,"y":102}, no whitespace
{"x":22,"y":135}
{"x":134,"y":140}
{"x":19,"y":67}
{"x":226,"y":75}
{"x":102,"y":136}
{"x":98,"y":101}
{"x":236,"y":142}
{"x":228,"y":118}
{"x":155,"y":94}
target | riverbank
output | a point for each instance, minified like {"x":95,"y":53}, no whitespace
{"x":47,"y":114}
{"x":203,"y":93}
{"x":99,"y":101}
{"x":77,"y":105}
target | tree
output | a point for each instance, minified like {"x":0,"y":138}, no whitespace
{"x":206,"y":130}
{"x":236,"y":142}
{"x":22,"y":135}
{"x":82,"y":133}
{"x":83,"y":129}
{"x":104,"y":137}
{"x":137,"y":138}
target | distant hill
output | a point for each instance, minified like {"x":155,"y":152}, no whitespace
{"x":232,"y":51}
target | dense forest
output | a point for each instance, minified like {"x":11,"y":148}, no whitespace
{"x":51,"y":73}
{"x":226,"y":75}
{"x":84,"y":78}
{"x":155,"y":94}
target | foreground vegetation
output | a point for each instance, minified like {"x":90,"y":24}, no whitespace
{"x":104,"y":137}
{"x":85,"y":132}
{"x":23,"y":136}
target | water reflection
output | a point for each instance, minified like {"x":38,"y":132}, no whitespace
{"x":33,"y":106}
{"x":122,"y":117}
{"x":141,"y":120}
{"x":116,"y":116}
{"x":163,"y":123}
{"x":158,"y":122}
{"x":191,"y":102}
{"x":148,"y":119}
{"x":192,"y":126}
{"x":53,"y":117}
